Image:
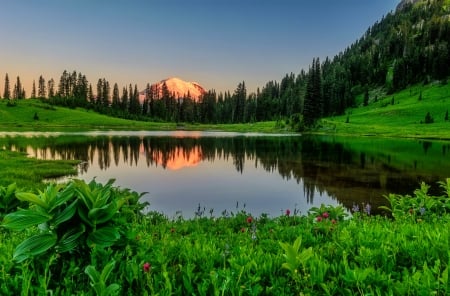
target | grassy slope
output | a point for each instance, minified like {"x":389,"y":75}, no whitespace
{"x":403,"y":119}
{"x":21,"y":118}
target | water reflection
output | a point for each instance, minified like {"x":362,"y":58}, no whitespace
{"x":329,"y":170}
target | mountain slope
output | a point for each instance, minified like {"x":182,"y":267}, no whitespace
{"x":176,"y":87}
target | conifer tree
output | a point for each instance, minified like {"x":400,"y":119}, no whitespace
{"x":7,"y":90}
{"x":115,"y":97}
{"x":33,"y":90}
{"x":51,"y":88}
{"x":313,"y":104}
{"x":41,"y":87}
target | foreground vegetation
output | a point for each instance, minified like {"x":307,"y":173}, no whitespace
{"x":94,"y":239}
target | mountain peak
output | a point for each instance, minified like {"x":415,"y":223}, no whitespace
{"x":180,"y":88}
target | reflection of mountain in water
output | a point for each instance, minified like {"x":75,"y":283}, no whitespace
{"x":351,"y":172}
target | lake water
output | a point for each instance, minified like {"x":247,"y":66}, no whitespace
{"x":216,"y":172}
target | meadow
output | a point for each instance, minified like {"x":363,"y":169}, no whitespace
{"x":94,"y":239}
{"x":401,"y":114}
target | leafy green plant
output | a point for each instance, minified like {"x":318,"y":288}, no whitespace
{"x":421,"y":205}
{"x":99,"y":280}
{"x":77,"y":216}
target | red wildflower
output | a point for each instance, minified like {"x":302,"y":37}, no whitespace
{"x":146,"y":267}
{"x":319,"y":218}
{"x":326,"y":215}
{"x":249,"y":219}
{"x":288,"y":212}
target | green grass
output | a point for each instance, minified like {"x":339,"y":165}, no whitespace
{"x":402,"y":119}
{"x":236,"y":254}
{"x":28,"y":172}
{"x":21,"y":118}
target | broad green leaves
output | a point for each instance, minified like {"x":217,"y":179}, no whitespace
{"x":35,"y":245}
{"x":77,"y":216}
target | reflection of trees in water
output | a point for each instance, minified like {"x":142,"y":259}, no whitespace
{"x":321,"y":166}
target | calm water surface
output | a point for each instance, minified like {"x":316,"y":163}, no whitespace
{"x":219,"y":172}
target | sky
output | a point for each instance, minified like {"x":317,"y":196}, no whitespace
{"x":216,"y":43}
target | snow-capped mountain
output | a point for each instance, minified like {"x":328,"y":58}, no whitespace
{"x":176,"y":87}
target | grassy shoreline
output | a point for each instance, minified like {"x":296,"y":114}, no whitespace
{"x":29,"y":172}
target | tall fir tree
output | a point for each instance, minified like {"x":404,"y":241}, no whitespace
{"x":51,"y":88}
{"x":7,"y":90}
{"x":33,"y":90}
{"x":41,"y":87}
{"x":115,"y":97}
{"x":312,"y":109}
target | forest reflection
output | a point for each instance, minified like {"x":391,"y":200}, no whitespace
{"x":333,"y":167}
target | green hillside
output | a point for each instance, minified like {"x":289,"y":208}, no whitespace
{"x":404,"y":118}
{"x":35,"y":115}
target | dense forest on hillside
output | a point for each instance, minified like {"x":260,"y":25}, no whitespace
{"x":405,"y":47}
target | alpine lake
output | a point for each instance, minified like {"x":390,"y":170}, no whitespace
{"x":188,"y":174}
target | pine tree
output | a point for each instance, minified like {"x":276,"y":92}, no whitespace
{"x":18,"y":91}
{"x":115,"y":97}
{"x":41,"y":87}
{"x":313,"y":104}
{"x":7,"y":90}
{"x":51,"y":88}
{"x":33,"y":90}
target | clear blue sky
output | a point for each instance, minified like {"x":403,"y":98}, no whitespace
{"x":216,"y":43}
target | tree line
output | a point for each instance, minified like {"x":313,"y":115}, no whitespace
{"x":406,"y":47}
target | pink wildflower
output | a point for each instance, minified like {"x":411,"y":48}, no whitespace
{"x":146,"y":267}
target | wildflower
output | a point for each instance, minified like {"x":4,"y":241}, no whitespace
{"x":367,"y":208}
{"x":355,"y":208}
{"x":288,"y":212}
{"x":146,"y":267}
{"x":333,"y":221}
{"x":411,"y":211}
{"x":249,"y":219}
{"x":325,"y":215}
{"x":319,"y":218}
{"x":172,"y":230}
{"x":243,"y":229}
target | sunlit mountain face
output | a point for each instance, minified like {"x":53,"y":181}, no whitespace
{"x":176,"y":87}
